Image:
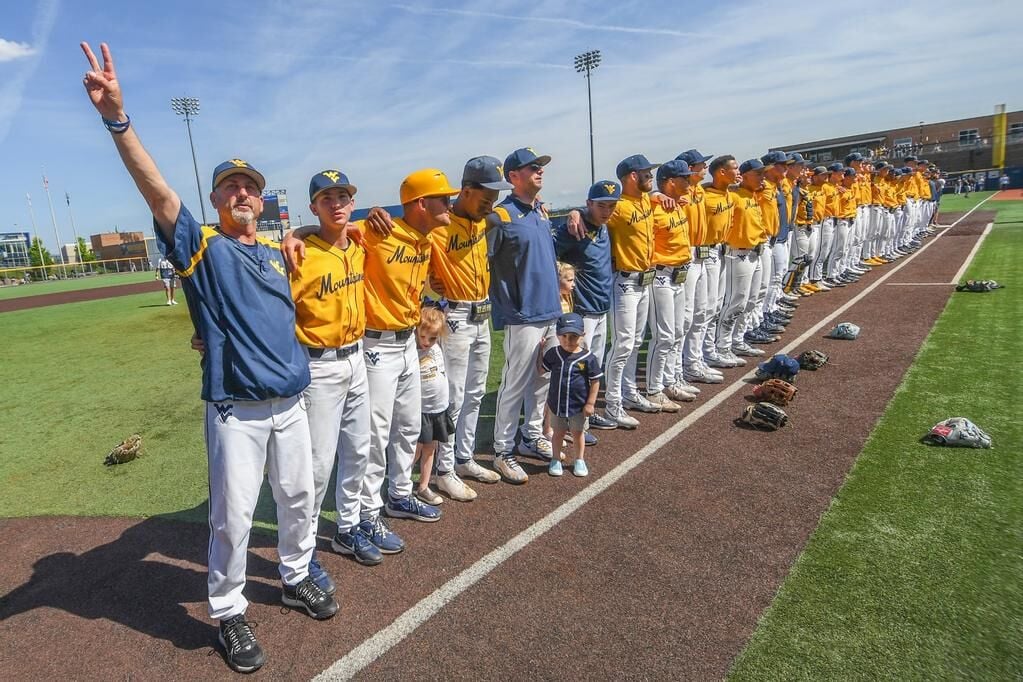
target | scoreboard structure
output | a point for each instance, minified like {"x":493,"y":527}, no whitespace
{"x":275,"y":212}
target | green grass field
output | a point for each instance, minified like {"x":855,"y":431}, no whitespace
{"x":915,"y":572}
{"x":62,"y":285}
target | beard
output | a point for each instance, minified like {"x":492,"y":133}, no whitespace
{"x":241,"y":217}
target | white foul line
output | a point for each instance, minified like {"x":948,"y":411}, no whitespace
{"x":383,"y":641}
{"x":973,"y":252}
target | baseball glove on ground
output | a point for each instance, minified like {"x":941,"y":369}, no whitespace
{"x":126,"y":451}
{"x":958,"y":432}
{"x":979,"y":285}
{"x":775,"y":391}
{"x":812,"y":360}
{"x":764,"y":416}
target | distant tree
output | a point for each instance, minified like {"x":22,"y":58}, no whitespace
{"x":36,"y":250}
{"x":83,"y":247}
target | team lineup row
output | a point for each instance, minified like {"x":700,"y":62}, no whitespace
{"x":314,"y":352}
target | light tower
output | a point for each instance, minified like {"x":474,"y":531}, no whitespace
{"x":189,"y":108}
{"x":585,"y":63}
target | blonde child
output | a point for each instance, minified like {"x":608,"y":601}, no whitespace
{"x":575,"y":382}
{"x":566,"y":281}
{"x":437,"y":425}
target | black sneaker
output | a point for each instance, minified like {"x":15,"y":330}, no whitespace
{"x":243,"y":652}
{"x":308,"y":595}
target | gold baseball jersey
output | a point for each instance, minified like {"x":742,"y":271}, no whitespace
{"x":329,"y":293}
{"x":458,"y":258}
{"x":396,"y":269}
{"x":671,"y":236}
{"x":697,"y":213}
{"x":747,"y":229}
{"x":831,"y":203}
{"x":631,"y":228}
{"x":720,"y":205}
{"x":768,"y":198}
{"x":848,"y":201}
{"x":812,"y":197}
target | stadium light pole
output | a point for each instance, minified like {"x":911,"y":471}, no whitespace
{"x":74,"y":230}
{"x":56,"y":233}
{"x":585,"y":63}
{"x":189,"y":108}
{"x":35,"y":233}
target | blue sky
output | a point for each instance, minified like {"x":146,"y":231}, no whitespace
{"x":380,"y":89}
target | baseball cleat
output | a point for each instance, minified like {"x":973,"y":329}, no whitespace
{"x":639,"y":404}
{"x":472,"y":469}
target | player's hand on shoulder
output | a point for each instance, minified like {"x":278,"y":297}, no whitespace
{"x":379,"y":221}
{"x":575,"y":224}
{"x":666,"y":202}
{"x":293,"y":250}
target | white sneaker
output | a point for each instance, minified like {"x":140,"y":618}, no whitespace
{"x":709,"y":370}
{"x":717,"y":360}
{"x":452,"y":486}
{"x":676,"y":392}
{"x":169,"y":303}
{"x":731,"y":357}
{"x":616,"y":414}
{"x":747,"y":350}
{"x":509,"y":468}
{"x":685,"y":386}
{"x":640,"y":404}
{"x":472,"y":469}
{"x":662,"y":402}
{"x":174,"y":302}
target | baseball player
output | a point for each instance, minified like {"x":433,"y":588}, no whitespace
{"x":524,"y":293}
{"x":396,"y":272}
{"x":759,"y":326}
{"x":165,"y":273}
{"x":459,"y":270}
{"x":743,"y":246}
{"x":719,"y":202}
{"x":829,"y":196}
{"x":590,"y":254}
{"x":668,"y":301}
{"x":631,"y":227}
{"x":253,"y":373}
{"x":702,"y":278}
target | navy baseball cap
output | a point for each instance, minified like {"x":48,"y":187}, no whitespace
{"x":797,"y":158}
{"x":751,"y":165}
{"x":605,"y":190}
{"x":485,"y":171}
{"x":631,"y":164}
{"x":693,"y":157}
{"x":855,"y":156}
{"x":817,"y":170}
{"x":676,"y":168}
{"x":328,"y":179}
{"x":836,"y":167}
{"x":908,"y":159}
{"x":878,"y":165}
{"x":850,"y":172}
{"x":777,"y":156}
{"x":570,"y":323}
{"x":234,"y":166}
{"x":523,"y":157}
{"x":923,"y":161}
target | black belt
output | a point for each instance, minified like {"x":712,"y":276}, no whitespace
{"x":642,"y":278}
{"x":342,"y":352}
{"x":400,"y":334}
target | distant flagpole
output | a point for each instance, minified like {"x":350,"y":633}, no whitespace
{"x":35,"y":233}
{"x":56,"y":234}
{"x":78,"y":245}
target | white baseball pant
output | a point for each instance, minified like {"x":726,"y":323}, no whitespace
{"x":667,"y":316}
{"x":758,"y":289}
{"x":779,"y":266}
{"x":826,"y":237}
{"x":713,"y":267}
{"x":392,"y":368}
{"x":741,"y":266}
{"x":522,"y":386}
{"x":629,"y":308}
{"x":243,"y":438}
{"x":467,"y":361}
{"x":337,"y":401}
{"x":835,"y":265}
{"x":690,"y":351}
{"x":595,"y":335}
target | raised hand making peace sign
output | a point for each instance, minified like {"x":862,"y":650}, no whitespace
{"x":102,"y":85}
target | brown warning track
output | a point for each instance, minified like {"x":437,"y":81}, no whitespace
{"x":28,"y":302}
{"x":663,"y":575}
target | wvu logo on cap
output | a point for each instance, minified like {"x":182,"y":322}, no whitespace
{"x":333,"y":175}
{"x":239,"y":163}
{"x":531,"y":151}
{"x":609,"y":188}
{"x":500,"y":169}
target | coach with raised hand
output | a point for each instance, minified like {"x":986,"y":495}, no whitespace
{"x":253,"y":372}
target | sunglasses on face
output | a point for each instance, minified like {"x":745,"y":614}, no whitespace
{"x":446,"y":200}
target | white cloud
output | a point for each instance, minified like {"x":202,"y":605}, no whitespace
{"x":10,"y":50}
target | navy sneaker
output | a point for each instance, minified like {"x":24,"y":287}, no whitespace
{"x":591,"y":440}
{"x":308,"y":596}
{"x":381,"y":535}
{"x":411,"y":508}
{"x":356,"y":543}
{"x":240,"y":646}
{"x":599,"y":421}
{"x":320,"y":576}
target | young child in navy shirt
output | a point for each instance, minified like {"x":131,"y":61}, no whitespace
{"x":575,"y":381}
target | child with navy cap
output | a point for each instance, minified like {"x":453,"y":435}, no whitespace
{"x":575,"y":381}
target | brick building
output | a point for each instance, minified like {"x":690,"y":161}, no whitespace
{"x":113,"y":245}
{"x":959,"y":146}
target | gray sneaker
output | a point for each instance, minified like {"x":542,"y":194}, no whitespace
{"x":733,"y":358}
{"x":509,"y":468}
{"x":640,"y":404}
{"x":747,"y":350}
{"x":472,"y":469}
{"x":616,"y":414}
{"x":662,"y":402}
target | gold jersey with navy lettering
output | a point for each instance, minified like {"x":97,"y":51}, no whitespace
{"x":768,"y":198}
{"x":458,"y":258}
{"x":396,"y":269}
{"x":697,"y":213}
{"x":631,"y":227}
{"x":671,"y":237}
{"x":831,"y":203}
{"x":847,"y":203}
{"x":747,"y":229}
{"x":329,"y":293}
{"x":719,"y":205}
